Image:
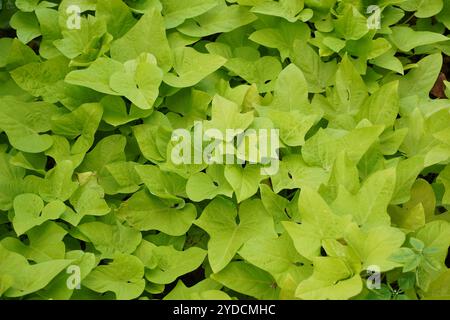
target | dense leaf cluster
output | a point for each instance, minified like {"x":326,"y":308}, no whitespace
{"x":88,"y":187}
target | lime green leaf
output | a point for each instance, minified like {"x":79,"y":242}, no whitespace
{"x":407,"y":173}
{"x":291,"y":90}
{"x":148,"y":35}
{"x":29,"y":211}
{"x":81,"y":124}
{"x":11,"y":181}
{"x":152,"y":140}
{"x":201,"y":186}
{"x":436,"y":234}
{"x":111,"y":239}
{"x":23,"y":122}
{"x":318,"y":223}
{"x":278,"y":257}
{"x":207,"y":289}
{"x":58,"y":288}
{"x":444,"y":178}
{"x":108,"y":150}
{"x":351,"y":89}
{"x":375,"y":246}
{"x":262,"y":72}
{"x":420,"y":80}
{"x":318,"y":74}
{"x":276,"y":205}
{"x":226,"y":236}
{"x":84,"y":44}
{"x":369,"y":206}
{"x":249,"y":280}
{"x":58,"y":183}
{"x":119,"y":177}
{"x":407,"y":39}
{"x":45,"y":241}
{"x":423,"y":9}
{"x":175,"y":12}
{"x":344,"y":174}
{"x":287,"y":9}
{"x":88,"y":199}
{"x":293,"y":125}
{"x":244,"y":181}
{"x":331,"y":280}
{"x":420,"y":208}
{"x":323,"y":148}
{"x":283,"y":37}
{"x":123,"y":276}
{"x":351,"y":24}
{"x":225,"y":115}
{"x":187,"y":76}
{"x":164,"y":185}
{"x":44,"y":79}
{"x":222,"y":18}
{"x":139,"y":81}
{"x":147,"y":212}
{"x":439,"y":289}
{"x":115,"y":111}
{"x":117,"y":15}
{"x":171,"y":264}
{"x":382,"y":107}
{"x":26,"y":25}
{"x":96,"y":76}
{"x":23,"y":278}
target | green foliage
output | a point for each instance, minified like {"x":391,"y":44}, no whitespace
{"x":93,"y":204}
